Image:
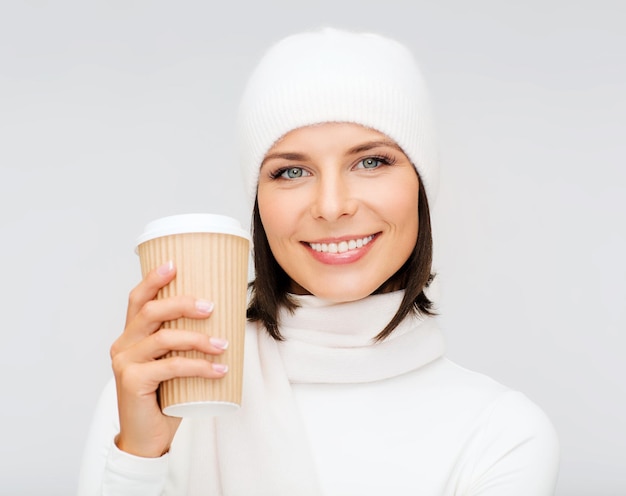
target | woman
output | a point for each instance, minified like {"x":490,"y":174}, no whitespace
{"x":346,"y":388}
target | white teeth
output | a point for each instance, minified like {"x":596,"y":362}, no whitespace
{"x":342,"y":246}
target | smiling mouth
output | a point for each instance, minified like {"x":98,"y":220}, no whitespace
{"x":341,"y":246}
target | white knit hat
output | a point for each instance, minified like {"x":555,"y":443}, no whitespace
{"x":337,"y":76}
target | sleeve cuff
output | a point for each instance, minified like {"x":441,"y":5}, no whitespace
{"x":129,"y":474}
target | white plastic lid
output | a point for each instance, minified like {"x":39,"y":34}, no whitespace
{"x":192,"y":223}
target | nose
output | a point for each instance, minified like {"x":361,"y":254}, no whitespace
{"x":333,"y":199}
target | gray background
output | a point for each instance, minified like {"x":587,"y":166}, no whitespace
{"x":113,"y":114}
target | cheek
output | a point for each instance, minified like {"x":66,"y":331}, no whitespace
{"x":406,"y":231}
{"x":401,"y":212}
{"x":268,"y":207}
{"x":267,"y":214}
{"x":407,"y":214}
{"x":398,"y":203}
{"x":278,"y":215}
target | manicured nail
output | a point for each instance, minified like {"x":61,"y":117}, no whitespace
{"x":204,"y":306}
{"x":220,"y":343}
{"x":166,"y":268}
{"x":220,"y":368}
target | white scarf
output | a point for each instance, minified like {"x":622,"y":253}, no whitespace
{"x":262,"y":449}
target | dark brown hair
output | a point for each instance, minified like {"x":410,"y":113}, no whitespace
{"x":270,"y":288}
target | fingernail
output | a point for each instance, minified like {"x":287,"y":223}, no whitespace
{"x":220,"y":368}
{"x":166,"y":268}
{"x":220,"y":343}
{"x":204,"y":306}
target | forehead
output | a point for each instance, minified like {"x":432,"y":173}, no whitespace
{"x":329,"y":135}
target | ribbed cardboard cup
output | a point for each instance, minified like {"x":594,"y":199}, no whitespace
{"x":210,"y":253}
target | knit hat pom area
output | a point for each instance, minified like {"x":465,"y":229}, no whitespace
{"x":331,"y":75}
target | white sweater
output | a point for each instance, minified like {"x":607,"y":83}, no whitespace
{"x":354,"y":418}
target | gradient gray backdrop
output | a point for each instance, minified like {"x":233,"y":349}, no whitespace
{"x":115,"y":113}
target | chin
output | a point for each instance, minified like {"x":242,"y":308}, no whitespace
{"x":339,"y":294}
{"x":333,"y":298}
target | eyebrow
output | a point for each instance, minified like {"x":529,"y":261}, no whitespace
{"x":363,"y":147}
{"x":291,"y":156}
{"x":373,"y":144}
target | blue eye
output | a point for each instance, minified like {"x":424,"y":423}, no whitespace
{"x":292,"y":173}
{"x":370,"y":163}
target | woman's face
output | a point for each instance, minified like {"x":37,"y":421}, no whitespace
{"x":338,"y":202}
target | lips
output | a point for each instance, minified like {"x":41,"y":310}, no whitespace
{"x":340,"y":251}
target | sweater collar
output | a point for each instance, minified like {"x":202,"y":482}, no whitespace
{"x":329,"y":342}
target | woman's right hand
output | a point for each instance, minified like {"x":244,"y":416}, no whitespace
{"x":139,"y":369}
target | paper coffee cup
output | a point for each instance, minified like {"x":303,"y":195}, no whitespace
{"x":210,"y":253}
